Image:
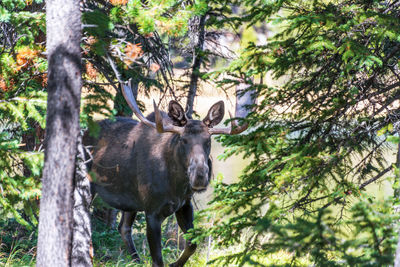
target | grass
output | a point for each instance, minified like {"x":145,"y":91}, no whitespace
{"x":18,"y":247}
{"x":17,"y":244}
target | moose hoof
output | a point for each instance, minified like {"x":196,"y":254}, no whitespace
{"x":136,"y":259}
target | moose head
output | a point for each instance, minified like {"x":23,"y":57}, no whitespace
{"x":193,"y":137}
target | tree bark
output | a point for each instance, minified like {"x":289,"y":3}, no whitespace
{"x":62,"y":130}
{"x":198,"y":58}
{"x":82,"y":250}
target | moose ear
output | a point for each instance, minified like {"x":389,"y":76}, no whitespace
{"x":215,"y":114}
{"x":176,"y":113}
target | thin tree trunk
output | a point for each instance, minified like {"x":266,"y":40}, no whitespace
{"x":198,"y":58}
{"x":62,"y":130}
{"x":397,"y":210}
{"x":82,"y":250}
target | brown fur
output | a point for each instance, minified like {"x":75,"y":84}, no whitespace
{"x":139,"y":169}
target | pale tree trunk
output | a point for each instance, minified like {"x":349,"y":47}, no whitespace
{"x":62,"y":130}
{"x":198,"y":35}
{"x":82,"y":250}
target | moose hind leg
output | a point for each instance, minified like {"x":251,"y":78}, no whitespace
{"x":184,"y":216}
{"x":125,"y":229}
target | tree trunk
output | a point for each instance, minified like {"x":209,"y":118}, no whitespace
{"x":82,"y":250}
{"x":199,"y":24}
{"x":397,"y":210}
{"x":62,"y":130}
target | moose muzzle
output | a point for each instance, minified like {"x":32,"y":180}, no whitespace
{"x":198,"y":171}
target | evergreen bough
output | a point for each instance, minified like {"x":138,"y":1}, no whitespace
{"x":318,"y":139}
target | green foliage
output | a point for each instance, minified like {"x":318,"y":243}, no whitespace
{"x":22,"y":111}
{"x":128,"y":40}
{"x":319,"y":138}
{"x":113,"y":35}
{"x":367,"y":238}
{"x":156,"y":16}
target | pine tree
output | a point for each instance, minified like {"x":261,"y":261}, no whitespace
{"x":22,"y":109}
{"x":62,"y":130}
{"x":318,"y":139}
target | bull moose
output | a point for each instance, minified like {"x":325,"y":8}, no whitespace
{"x":155,"y":166}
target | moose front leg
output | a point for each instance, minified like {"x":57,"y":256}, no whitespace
{"x":184,"y":216}
{"x":154,"y":238}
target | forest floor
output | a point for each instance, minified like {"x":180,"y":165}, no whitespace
{"x":18,"y":248}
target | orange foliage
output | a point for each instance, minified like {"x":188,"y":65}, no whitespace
{"x":3,"y":85}
{"x":154,"y":67}
{"x":25,"y":56}
{"x":90,"y":70}
{"x":118,"y":2}
{"x":91,"y":40}
{"x":149,"y":35}
{"x":279,"y":51}
{"x":132,"y":51}
{"x":42,"y":79}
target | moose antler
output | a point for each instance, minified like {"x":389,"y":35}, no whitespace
{"x":159,"y":124}
{"x":244,"y":98}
